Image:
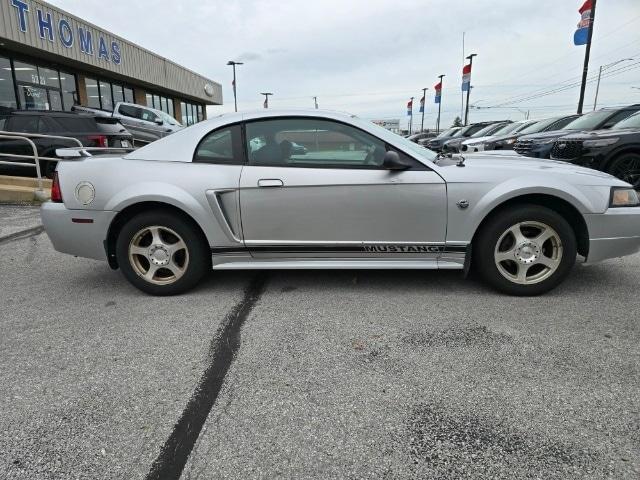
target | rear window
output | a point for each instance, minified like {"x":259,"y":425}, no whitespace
{"x":24,"y":123}
{"x":110,"y":127}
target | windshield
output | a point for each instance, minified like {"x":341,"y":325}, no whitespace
{"x":630,"y":122}
{"x":588,"y":121}
{"x":167,"y":118}
{"x":538,"y":126}
{"x":488,"y":130}
{"x":448,"y":133}
{"x":508,"y":128}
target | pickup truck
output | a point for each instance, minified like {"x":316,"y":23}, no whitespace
{"x":146,"y":124}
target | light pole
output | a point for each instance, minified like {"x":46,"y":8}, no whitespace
{"x":422,"y":103}
{"x":235,"y":97}
{"x":315,"y":101}
{"x":266,"y":99}
{"x":587,"y":53}
{"x":604,"y":67}
{"x":439,"y":94}
{"x":411,"y":116}
{"x":466,"y":112}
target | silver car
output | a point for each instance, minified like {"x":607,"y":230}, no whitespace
{"x":234,"y":192}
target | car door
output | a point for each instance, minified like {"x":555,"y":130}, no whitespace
{"x":317,"y":188}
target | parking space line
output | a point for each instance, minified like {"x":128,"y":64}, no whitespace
{"x":29,"y":232}
{"x":224,"y":345}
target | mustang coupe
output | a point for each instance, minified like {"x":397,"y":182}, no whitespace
{"x":238,"y":192}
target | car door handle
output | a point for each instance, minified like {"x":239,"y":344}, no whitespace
{"x":270,"y":182}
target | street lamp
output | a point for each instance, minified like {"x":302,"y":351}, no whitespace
{"x":235,"y":97}
{"x":315,"y":101}
{"x":266,"y":99}
{"x":604,"y":67}
{"x":439,"y":103}
{"x":466,"y":113}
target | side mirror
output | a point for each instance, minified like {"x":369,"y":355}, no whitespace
{"x":392,"y":161}
{"x":158,"y":121}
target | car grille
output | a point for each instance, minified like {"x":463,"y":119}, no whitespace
{"x":566,"y":149}
{"x":523,"y":147}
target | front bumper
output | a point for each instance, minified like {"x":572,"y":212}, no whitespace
{"x":79,"y":239}
{"x":615,"y":233}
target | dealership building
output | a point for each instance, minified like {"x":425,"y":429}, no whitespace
{"x":51,"y":60}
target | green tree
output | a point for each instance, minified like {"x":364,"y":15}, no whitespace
{"x":457,"y":122}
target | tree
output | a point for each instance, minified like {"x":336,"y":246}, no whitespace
{"x":457,"y":122}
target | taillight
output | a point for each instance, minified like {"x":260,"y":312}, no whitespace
{"x":100,"y":140}
{"x":56,"y":193}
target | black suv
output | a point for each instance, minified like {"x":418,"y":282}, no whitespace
{"x":92,"y":131}
{"x":539,"y":145}
{"x":615,"y":151}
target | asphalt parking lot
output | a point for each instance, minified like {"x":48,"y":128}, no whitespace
{"x":293,"y":374}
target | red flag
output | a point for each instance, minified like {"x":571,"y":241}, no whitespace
{"x":585,"y":6}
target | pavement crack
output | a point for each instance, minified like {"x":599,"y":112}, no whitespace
{"x":27,"y":233}
{"x":175,"y":452}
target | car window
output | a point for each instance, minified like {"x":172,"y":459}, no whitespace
{"x":24,"y":123}
{"x":148,"y":115}
{"x":3,"y":122}
{"x":72,"y":124}
{"x":219,"y":146}
{"x":589,"y":121}
{"x":130,"y":111}
{"x":307,"y":142}
{"x":621,"y":115}
{"x":630,"y":122}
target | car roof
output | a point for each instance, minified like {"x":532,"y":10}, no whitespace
{"x":50,"y":113}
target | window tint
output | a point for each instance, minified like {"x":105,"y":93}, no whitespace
{"x":302,"y":142}
{"x":219,"y":147}
{"x":24,"y":123}
{"x":74,"y":124}
{"x":130,"y":111}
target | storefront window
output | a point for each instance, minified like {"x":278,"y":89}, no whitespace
{"x":49,"y":77}
{"x":105,"y":96}
{"x":7,"y":91}
{"x":69,"y":90}
{"x":93,"y":95}
{"x":128,"y":95}
{"x":26,"y":72}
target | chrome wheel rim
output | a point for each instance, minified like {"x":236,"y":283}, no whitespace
{"x":159,"y":255}
{"x":528,"y":253}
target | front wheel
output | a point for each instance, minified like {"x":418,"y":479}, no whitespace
{"x":627,"y":168}
{"x":162,"y":253}
{"x":526,"y":250}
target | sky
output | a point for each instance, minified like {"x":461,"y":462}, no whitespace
{"x":368,"y":57}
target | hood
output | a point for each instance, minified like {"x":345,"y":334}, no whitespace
{"x":547,"y":135}
{"x":605,"y":133}
{"x":486,"y":167}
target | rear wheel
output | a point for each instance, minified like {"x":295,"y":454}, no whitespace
{"x":162,"y":253}
{"x":526,"y":250}
{"x":627,"y":168}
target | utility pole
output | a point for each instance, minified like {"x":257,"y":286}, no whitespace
{"x":266,"y":99}
{"x":315,"y":101}
{"x":587,"y":52}
{"x":235,"y":97}
{"x":466,"y":113}
{"x":439,"y":103}
{"x":422,"y":105}
{"x":604,"y":67}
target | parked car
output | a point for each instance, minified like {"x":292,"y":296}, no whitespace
{"x":362,"y":197}
{"x":437,"y":144}
{"x":506,"y":140}
{"x":416,"y":137}
{"x":444,"y":134}
{"x":477,"y":144}
{"x":146,"y":124}
{"x":616,"y":150}
{"x":92,"y":131}
{"x":454,"y":145}
{"x":539,"y":145}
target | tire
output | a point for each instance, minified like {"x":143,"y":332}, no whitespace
{"x":545,"y":250}
{"x":626,"y":167}
{"x":162,"y":253}
{"x":48,"y":169}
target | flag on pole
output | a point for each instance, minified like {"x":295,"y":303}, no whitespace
{"x":466,"y":77}
{"x":438,"y":89}
{"x":410,"y":107}
{"x":422,"y":104}
{"x":581,"y":35}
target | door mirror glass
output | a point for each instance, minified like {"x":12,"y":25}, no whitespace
{"x":158,"y":121}
{"x":392,"y":161}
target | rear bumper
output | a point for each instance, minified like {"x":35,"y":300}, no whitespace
{"x":615,"y":233}
{"x":79,"y":239}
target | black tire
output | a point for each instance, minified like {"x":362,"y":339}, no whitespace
{"x":197,"y":252}
{"x":47,"y":169}
{"x":626,"y":167}
{"x":494,"y":229}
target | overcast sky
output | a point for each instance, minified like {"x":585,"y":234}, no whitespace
{"x":368,"y":57}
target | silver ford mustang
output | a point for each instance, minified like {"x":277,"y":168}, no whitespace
{"x":310,"y":189}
